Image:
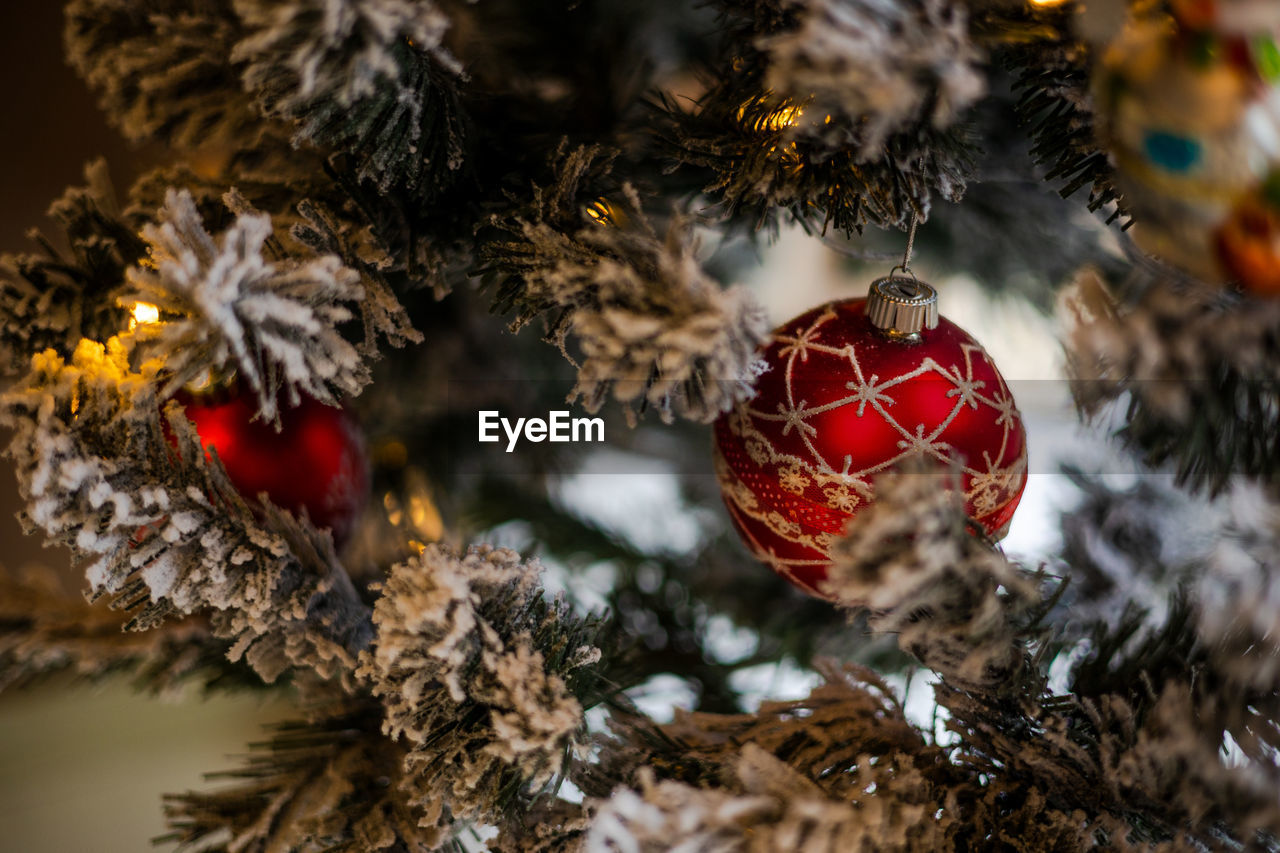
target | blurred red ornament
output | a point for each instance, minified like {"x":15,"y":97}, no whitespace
{"x":844,"y":399}
{"x":316,"y":462}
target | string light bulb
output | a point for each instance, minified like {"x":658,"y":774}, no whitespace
{"x":143,"y":314}
{"x":602,"y":212}
{"x":411,"y":510}
{"x":1046,"y":4}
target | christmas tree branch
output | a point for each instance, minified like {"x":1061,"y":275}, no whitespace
{"x":368,"y":78}
{"x":44,"y":630}
{"x":333,"y":783}
{"x":955,"y":603}
{"x":54,"y":299}
{"x":653,"y":330}
{"x":1198,"y":367}
{"x":1052,"y":66}
{"x":162,"y":69}
{"x":168,"y":532}
{"x":840,"y":114}
{"x":224,"y":306}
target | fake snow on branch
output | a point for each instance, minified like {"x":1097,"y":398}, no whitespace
{"x":224,"y":305}
{"x":46,"y":629}
{"x":367,"y":77}
{"x":1200,"y":365}
{"x":166,"y":530}
{"x":1238,"y":591}
{"x":652,"y":328}
{"x":834,"y":113}
{"x":879,"y":66}
{"x":955,"y":602}
{"x":842,"y":769}
{"x":162,"y":69}
{"x":481,"y":677}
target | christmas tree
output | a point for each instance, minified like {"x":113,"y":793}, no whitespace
{"x":306,"y":400}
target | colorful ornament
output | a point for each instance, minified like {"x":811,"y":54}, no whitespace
{"x":854,"y":387}
{"x":1248,"y":242}
{"x":316,"y":462}
{"x":1189,"y":107}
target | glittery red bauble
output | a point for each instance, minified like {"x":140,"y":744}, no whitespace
{"x":842,"y":402}
{"x":317,"y":461}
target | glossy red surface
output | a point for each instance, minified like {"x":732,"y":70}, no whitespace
{"x":316,"y":462}
{"x":843,"y":402}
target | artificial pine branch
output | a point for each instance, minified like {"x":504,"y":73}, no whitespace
{"x":482,"y":678}
{"x":666,"y":602}
{"x":44,"y":630}
{"x":55,"y":299}
{"x":167,"y":531}
{"x":792,"y":120}
{"x":1052,"y":66}
{"x":955,"y":602}
{"x":162,"y":69}
{"x":227,"y":307}
{"x":369,"y":78}
{"x":331,"y":784}
{"x":839,"y":770}
{"x":652,"y":329}
{"x":1199,"y":367}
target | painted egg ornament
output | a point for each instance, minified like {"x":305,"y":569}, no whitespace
{"x":1189,"y":108}
{"x":854,"y":387}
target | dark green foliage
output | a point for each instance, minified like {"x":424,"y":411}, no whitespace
{"x":756,"y":175}
{"x":394,"y":144}
{"x":367,"y":78}
{"x":1052,"y":69}
{"x":754,"y":158}
{"x":1011,"y":233}
{"x":1235,"y":429}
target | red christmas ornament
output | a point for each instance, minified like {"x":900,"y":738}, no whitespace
{"x":316,"y":462}
{"x":854,"y":387}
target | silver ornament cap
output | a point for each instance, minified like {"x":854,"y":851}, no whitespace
{"x":901,"y":306}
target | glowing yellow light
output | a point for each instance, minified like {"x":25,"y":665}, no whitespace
{"x":417,"y":514}
{"x":144,"y":314}
{"x":771,"y":122}
{"x":1046,"y":4}
{"x":425,"y":518}
{"x":602,"y":212}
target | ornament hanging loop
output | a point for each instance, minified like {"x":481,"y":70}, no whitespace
{"x":905,"y":266}
{"x":900,"y":305}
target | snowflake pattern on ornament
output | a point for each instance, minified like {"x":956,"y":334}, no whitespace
{"x":842,"y":403}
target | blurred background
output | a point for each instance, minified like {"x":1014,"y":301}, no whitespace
{"x":84,"y":768}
